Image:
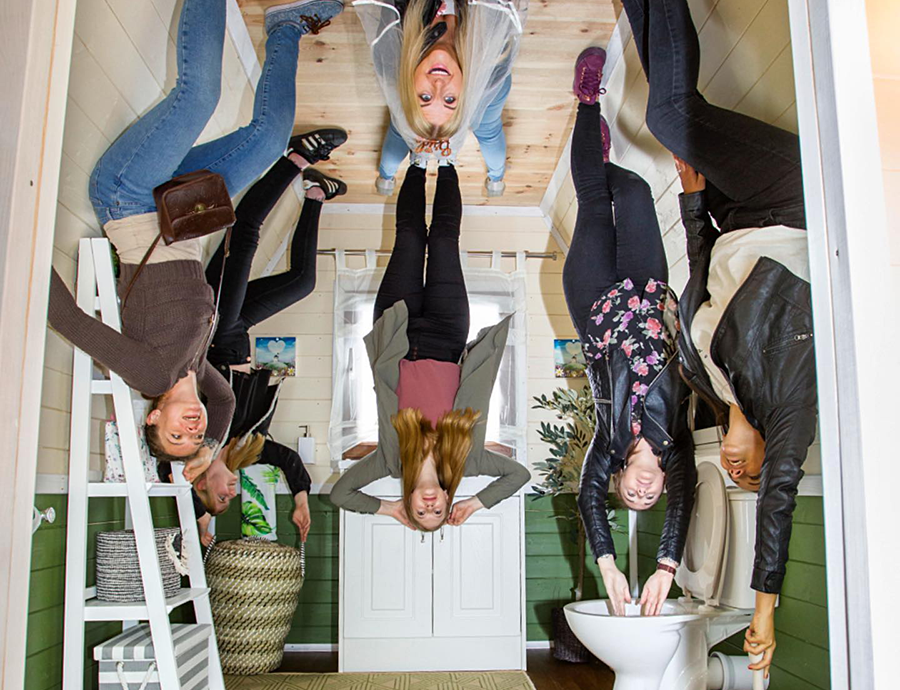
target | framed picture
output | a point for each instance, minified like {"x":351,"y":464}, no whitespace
{"x":277,"y":353}
{"x":568,"y":359}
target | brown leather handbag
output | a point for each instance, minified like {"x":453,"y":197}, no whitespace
{"x":193,"y":205}
{"x":189,"y":206}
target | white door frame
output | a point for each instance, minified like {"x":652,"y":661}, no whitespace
{"x":850,"y":269}
{"x":37,"y":40}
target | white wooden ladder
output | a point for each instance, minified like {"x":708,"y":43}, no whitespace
{"x":96,"y":294}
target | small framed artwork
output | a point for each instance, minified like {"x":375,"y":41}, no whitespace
{"x":568,"y":359}
{"x":278,"y":354}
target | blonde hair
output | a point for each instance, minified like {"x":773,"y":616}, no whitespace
{"x":412,"y":52}
{"x":238,"y":454}
{"x":450,"y":444}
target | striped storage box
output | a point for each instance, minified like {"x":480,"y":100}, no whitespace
{"x":127,"y":661}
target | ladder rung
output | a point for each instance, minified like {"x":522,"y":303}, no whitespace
{"x":101,"y":387}
{"x":120,"y":489}
{"x":96,"y":610}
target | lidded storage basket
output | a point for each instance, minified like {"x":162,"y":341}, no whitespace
{"x":119,"y":571}
{"x":128,"y":660}
{"x":254,"y":589}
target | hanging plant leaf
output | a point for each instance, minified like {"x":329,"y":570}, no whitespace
{"x":253,"y":491}
{"x":271,"y":474}
{"x":253,"y":521}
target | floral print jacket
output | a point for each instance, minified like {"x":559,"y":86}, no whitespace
{"x":629,"y":342}
{"x":644,"y":325}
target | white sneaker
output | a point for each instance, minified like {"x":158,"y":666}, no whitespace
{"x":384,"y":187}
{"x":494,"y":187}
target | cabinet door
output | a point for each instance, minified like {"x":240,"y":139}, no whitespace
{"x":387,"y":578}
{"x":477,"y":575}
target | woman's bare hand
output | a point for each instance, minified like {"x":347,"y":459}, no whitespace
{"x":691,"y":180}
{"x":760,"y":636}
{"x":198,"y":464}
{"x":300,"y":517}
{"x":463,"y":510}
{"x":396,"y":510}
{"x":655,"y":591}
{"x":616,"y":585}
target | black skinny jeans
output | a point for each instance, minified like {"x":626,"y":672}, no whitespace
{"x":438,"y":307}
{"x":752,"y":168}
{"x":607,"y":247}
{"x":244,"y":303}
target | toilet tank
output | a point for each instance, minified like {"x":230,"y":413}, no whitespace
{"x":736,"y":591}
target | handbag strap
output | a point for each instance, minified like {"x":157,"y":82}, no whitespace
{"x":141,"y":268}
{"x":215,"y":317}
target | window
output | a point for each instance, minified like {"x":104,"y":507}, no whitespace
{"x":493,"y":294}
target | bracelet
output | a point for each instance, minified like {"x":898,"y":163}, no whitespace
{"x":665,"y":567}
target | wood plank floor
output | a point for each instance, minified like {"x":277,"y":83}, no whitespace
{"x":545,"y":672}
{"x":336,"y":85}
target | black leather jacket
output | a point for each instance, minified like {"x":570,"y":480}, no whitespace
{"x":665,"y":427}
{"x":764,"y":342}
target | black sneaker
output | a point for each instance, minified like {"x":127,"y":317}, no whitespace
{"x":318,"y":144}
{"x":330,"y":185}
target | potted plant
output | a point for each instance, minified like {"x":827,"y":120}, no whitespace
{"x":561,"y":474}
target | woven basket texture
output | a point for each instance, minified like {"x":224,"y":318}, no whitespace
{"x":119,"y":571}
{"x":567,"y":647}
{"x":255,"y":586}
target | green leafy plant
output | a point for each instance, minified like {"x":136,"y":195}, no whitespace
{"x":253,"y":521}
{"x":271,"y":474}
{"x":569,"y":444}
{"x":248,"y":485}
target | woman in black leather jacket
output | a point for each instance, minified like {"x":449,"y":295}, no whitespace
{"x":615,"y":285}
{"x":746,"y":341}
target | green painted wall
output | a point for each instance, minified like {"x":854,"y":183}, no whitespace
{"x":801,"y":620}
{"x":43,"y":665}
{"x":551,"y":567}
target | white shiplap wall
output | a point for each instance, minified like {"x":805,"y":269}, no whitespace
{"x":123,"y":63}
{"x":306,"y":399}
{"x":745,"y":66}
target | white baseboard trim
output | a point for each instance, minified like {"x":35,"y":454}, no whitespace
{"x":539,"y":644}
{"x":324,"y":647}
{"x":533,"y":644}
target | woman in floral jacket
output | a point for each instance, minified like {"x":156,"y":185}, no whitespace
{"x":615,"y":281}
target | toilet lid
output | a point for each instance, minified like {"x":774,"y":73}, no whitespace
{"x":702,"y":563}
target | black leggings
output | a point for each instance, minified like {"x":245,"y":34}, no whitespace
{"x":244,"y":303}
{"x":606,"y":247}
{"x":752,"y":168}
{"x":438,"y":307}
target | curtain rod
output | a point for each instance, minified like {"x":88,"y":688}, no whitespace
{"x":472,"y":252}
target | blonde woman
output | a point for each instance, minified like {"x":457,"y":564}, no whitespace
{"x":445,"y":68}
{"x":432,"y":389}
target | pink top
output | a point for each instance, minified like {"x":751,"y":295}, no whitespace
{"x":428,"y":385}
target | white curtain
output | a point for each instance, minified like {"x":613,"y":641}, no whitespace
{"x":493,"y":294}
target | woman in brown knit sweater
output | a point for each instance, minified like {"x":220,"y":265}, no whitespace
{"x":166,"y":320}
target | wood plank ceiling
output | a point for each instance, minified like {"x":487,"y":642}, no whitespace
{"x":336,"y":85}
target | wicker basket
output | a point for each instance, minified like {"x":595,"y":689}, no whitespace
{"x":567,"y":647}
{"x":118,"y":569}
{"x":255,"y":585}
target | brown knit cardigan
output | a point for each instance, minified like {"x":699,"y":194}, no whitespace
{"x":165,"y":323}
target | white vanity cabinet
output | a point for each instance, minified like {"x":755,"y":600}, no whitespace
{"x":451,"y":600}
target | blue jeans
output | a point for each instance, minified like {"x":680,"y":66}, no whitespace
{"x":489,"y":133}
{"x":160,"y":145}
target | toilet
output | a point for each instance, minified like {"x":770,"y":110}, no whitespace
{"x":671,"y":651}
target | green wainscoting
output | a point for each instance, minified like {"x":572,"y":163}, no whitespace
{"x":801,"y":620}
{"x":551,"y":549}
{"x":43,"y":665}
